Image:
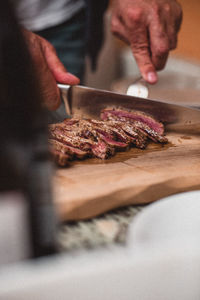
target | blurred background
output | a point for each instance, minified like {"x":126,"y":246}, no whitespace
{"x":189,"y":37}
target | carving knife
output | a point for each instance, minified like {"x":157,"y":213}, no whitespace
{"x":88,"y":102}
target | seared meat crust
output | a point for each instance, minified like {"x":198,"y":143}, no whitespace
{"x":118,"y":130}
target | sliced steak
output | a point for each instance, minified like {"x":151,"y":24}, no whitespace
{"x":133,"y":134}
{"x":66,"y":149}
{"x":70,"y":139}
{"x":112,"y":128}
{"x":99,"y":149}
{"x":112,"y":143}
{"x":138,"y":138}
{"x":133,"y":116}
{"x":103,"y":133}
{"x":152,"y":134}
{"x":102,"y":150}
{"x":119,"y":128}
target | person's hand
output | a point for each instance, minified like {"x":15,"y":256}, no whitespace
{"x":49,"y":69}
{"x":150,"y":27}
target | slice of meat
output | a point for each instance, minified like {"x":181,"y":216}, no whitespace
{"x":66,"y":149}
{"x":131,"y":133}
{"x":133,"y":116}
{"x":138,"y":138}
{"x":69,"y":129}
{"x":99,"y":149}
{"x":135,"y":136}
{"x":140,"y":128}
{"x":113,"y":129}
{"x":88,"y":128}
{"x":152,"y":134}
{"x":112,"y":143}
{"x":78,"y":138}
{"x":71,"y":139}
{"x":102,"y":150}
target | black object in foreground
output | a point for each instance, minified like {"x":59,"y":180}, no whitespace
{"x":23,"y":133}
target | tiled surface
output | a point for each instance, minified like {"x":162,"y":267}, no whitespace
{"x":106,"y":229}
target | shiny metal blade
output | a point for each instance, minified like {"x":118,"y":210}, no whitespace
{"x":64,"y":89}
{"x":88,"y":102}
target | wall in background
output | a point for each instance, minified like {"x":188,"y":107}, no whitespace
{"x":189,"y":37}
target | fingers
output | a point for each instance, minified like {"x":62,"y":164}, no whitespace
{"x":140,"y":49}
{"x":57,"y":68}
{"x":173,"y":26}
{"x":139,"y":43}
{"x":48,"y":68}
{"x":133,"y":31}
{"x":159,"y":44}
{"x":46,"y":82}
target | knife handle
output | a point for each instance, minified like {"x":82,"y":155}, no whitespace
{"x":64,"y":92}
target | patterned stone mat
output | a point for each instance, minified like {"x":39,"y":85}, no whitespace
{"x":103,"y":230}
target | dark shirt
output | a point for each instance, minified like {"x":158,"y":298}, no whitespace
{"x":94,"y":35}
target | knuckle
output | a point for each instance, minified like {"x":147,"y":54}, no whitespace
{"x":167,"y":7}
{"x":134,"y":14}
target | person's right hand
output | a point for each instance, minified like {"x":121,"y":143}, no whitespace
{"x":49,"y":69}
{"x":150,"y":27}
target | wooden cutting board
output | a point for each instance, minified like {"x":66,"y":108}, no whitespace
{"x":91,"y":187}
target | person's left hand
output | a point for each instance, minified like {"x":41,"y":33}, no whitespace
{"x":150,"y":27}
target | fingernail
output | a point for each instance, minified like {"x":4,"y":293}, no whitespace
{"x":152,"y":77}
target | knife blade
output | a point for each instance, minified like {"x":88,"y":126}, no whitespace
{"x":88,"y":102}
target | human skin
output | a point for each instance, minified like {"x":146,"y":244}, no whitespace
{"x":150,"y":27}
{"x":49,"y":69}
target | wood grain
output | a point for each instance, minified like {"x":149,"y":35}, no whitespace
{"x":91,"y":187}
